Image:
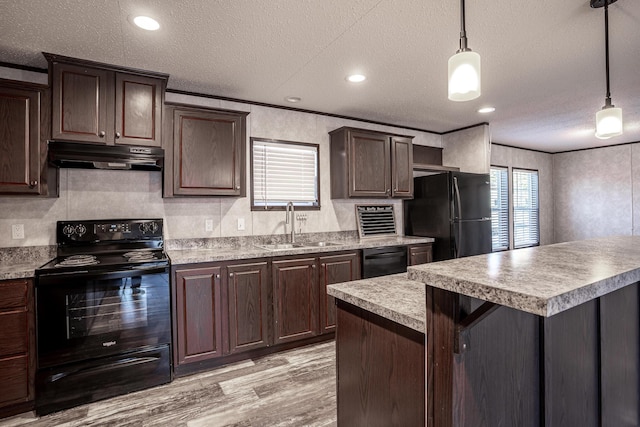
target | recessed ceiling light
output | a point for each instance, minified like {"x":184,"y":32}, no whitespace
{"x":486,"y":110}
{"x":146,"y":23}
{"x":293,"y":99}
{"x":356,"y":78}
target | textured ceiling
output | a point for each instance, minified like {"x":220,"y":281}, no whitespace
{"x":542,"y":61}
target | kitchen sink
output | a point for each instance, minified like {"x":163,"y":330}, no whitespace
{"x":282,"y":246}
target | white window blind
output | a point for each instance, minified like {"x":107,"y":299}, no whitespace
{"x":284,"y":172}
{"x":499,"y":209}
{"x":526,"y":214}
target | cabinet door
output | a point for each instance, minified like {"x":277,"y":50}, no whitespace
{"x":402,"y":167}
{"x":420,"y":254}
{"x":295,"y":299}
{"x":334,"y":269}
{"x":369,"y":168}
{"x":17,"y":342}
{"x":19,"y":141}
{"x":207,"y":153}
{"x":82,"y":107}
{"x":199,"y":315}
{"x":247,"y":286}
{"x":138,"y":110}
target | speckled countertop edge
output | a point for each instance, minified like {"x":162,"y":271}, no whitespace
{"x":22,"y":261}
{"x":19,"y":271}
{"x":393,"y":297}
{"x":191,"y":256}
{"x":543,"y":280}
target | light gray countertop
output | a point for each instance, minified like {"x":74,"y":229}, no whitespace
{"x":393,"y":297}
{"x":19,"y":270}
{"x":543,"y":280}
{"x":190,"y":256}
{"x":22,"y":262}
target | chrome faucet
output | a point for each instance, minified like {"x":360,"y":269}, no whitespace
{"x":293,"y":221}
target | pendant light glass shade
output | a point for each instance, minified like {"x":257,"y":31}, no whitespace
{"x":609,"y":118}
{"x":464,"y":76}
{"x":608,"y":122}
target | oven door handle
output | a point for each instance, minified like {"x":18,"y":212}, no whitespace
{"x":131,"y":361}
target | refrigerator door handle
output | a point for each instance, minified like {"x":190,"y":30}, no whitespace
{"x":456,"y":192}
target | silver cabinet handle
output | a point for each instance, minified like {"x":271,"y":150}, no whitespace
{"x":217,"y":276}
{"x":117,"y":135}
{"x":230,"y":274}
{"x":102,"y":134}
{"x":33,"y":183}
{"x":237,"y":187}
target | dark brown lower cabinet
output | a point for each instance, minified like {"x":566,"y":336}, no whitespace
{"x":247,"y":295}
{"x":198,"y":327}
{"x":17,"y":346}
{"x":295,"y":299}
{"x":420,"y":254}
{"x":335,"y":269}
{"x":227,"y":311}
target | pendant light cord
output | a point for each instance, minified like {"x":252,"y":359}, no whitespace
{"x":606,"y":49}
{"x":463,"y":32}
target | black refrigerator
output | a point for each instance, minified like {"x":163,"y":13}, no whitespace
{"x":455,"y":209}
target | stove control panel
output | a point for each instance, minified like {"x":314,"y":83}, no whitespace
{"x":113,"y":228}
{"x":94,"y":231}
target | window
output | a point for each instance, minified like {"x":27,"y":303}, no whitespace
{"x":499,"y":209}
{"x":526,"y":218}
{"x":284,"y":172}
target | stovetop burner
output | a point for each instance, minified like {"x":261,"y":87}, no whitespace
{"x":79,"y":260}
{"x":135,"y":256}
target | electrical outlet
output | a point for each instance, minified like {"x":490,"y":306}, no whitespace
{"x":17,"y":231}
{"x":208,"y":225}
{"x":240,"y":223}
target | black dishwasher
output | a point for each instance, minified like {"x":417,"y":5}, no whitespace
{"x":383,"y":261}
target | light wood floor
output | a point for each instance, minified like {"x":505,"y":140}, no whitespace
{"x":292,"y":388}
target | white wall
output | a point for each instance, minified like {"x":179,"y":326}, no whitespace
{"x":542,"y":162}
{"x":596,"y":192}
{"x":468,"y":149}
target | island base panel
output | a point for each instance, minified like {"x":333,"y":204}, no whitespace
{"x":380,"y":371}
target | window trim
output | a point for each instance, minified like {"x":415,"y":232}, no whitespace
{"x":508,"y":209}
{"x":513,"y":210}
{"x":282,"y":208}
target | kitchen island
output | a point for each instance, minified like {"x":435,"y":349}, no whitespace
{"x":539,"y":336}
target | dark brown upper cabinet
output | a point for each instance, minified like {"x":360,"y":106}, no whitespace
{"x":104,"y":104}
{"x":205,"y":152}
{"x":22,"y":148}
{"x":370,"y":164}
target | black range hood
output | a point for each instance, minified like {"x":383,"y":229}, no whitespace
{"x":115,"y":157}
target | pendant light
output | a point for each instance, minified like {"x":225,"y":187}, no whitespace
{"x":609,"y":118}
{"x":464,"y":68}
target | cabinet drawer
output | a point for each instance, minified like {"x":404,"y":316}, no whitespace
{"x":13,"y":294}
{"x":13,"y":335}
{"x":14,"y":381}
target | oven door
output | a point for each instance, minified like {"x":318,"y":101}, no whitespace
{"x":85,"y":315}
